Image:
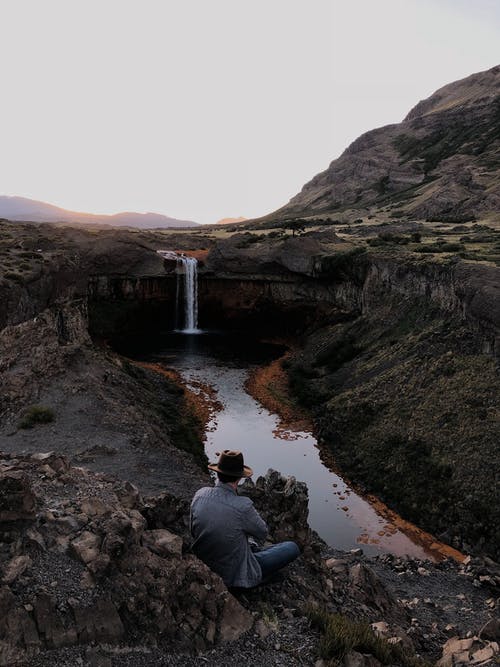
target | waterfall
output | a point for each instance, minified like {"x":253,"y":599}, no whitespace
{"x":187,"y":272}
{"x":186,"y":293}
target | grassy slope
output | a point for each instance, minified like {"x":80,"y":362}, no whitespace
{"x":411,"y":411}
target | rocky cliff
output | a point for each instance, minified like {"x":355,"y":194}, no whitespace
{"x":441,"y":162}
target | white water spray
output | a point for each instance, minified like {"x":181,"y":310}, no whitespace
{"x":186,"y":295}
{"x":189,"y":270}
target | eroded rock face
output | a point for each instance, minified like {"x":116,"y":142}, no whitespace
{"x":247,"y":254}
{"x":80,"y":567}
{"x":106,"y":413}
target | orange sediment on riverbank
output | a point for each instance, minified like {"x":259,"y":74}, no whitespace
{"x":201,"y":398}
{"x":439,"y":550}
{"x":269,"y":385}
{"x":436,"y":549}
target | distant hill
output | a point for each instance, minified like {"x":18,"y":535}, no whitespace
{"x":441,"y":162}
{"x":30,"y":210}
{"x":229,"y":221}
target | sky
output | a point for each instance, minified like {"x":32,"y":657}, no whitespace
{"x":203,"y":109}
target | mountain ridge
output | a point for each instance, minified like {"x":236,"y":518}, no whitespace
{"x":32,"y":210}
{"x":442,"y":160}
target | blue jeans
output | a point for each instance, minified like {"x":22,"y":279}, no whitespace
{"x":274,"y":558}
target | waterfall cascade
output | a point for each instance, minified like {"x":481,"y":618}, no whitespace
{"x":187,"y":271}
{"x":186,"y":301}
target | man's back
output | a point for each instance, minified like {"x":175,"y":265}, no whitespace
{"x":221,"y":522}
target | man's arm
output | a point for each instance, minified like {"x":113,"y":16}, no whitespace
{"x":253,"y":523}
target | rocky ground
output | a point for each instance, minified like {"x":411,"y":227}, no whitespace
{"x":93,"y":573}
{"x":105,"y":412}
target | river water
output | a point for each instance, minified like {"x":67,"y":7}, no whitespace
{"x":344,"y":519}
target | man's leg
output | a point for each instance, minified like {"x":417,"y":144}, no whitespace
{"x":274,"y":558}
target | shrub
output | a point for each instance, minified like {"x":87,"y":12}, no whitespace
{"x":441,"y":246}
{"x":339,"y":635}
{"x":36,"y":414}
{"x":338,"y":353}
{"x":299,"y":381}
{"x":338,"y":264}
{"x":247,"y":240}
{"x":297,"y":226}
{"x":388,"y":238}
{"x":455,"y":218}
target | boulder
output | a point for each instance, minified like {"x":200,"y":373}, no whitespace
{"x":18,"y":632}
{"x":365,"y":587}
{"x":52,"y":631}
{"x":17,"y":500}
{"x":491,"y":630}
{"x":97,"y":622}
{"x":86,"y":546}
{"x":283,"y":503}
{"x":163,"y":542}
{"x":15,"y":567}
{"x":355,"y":659}
{"x":235,"y":620}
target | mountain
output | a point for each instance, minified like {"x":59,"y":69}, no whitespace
{"x":229,"y":221}
{"x":21,"y":208}
{"x":441,"y":162}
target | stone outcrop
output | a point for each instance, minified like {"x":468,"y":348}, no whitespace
{"x":283,"y":504}
{"x":17,"y":501}
{"x":84,"y":567}
{"x":249,"y":254}
{"x":97,"y":568}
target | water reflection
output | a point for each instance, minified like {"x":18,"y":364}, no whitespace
{"x":342,"y":518}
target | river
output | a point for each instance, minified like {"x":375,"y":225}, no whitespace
{"x":222,"y":362}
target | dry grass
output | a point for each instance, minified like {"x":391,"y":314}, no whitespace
{"x":339,"y":635}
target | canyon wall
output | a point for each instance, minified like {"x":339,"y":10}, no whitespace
{"x":289,"y":303}
{"x":397,"y":359}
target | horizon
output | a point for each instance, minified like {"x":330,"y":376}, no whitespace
{"x":224,"y":112}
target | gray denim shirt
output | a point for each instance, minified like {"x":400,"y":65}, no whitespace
{"x":221,"y":522}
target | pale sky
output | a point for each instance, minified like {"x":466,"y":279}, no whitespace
{"x":203,"y":109}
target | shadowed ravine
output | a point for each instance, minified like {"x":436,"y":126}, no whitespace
{"x":343,"y":519}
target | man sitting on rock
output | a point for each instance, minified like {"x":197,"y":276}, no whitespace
{"x":222,"y":523}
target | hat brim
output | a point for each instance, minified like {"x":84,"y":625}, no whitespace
{"x":246,"y":472}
